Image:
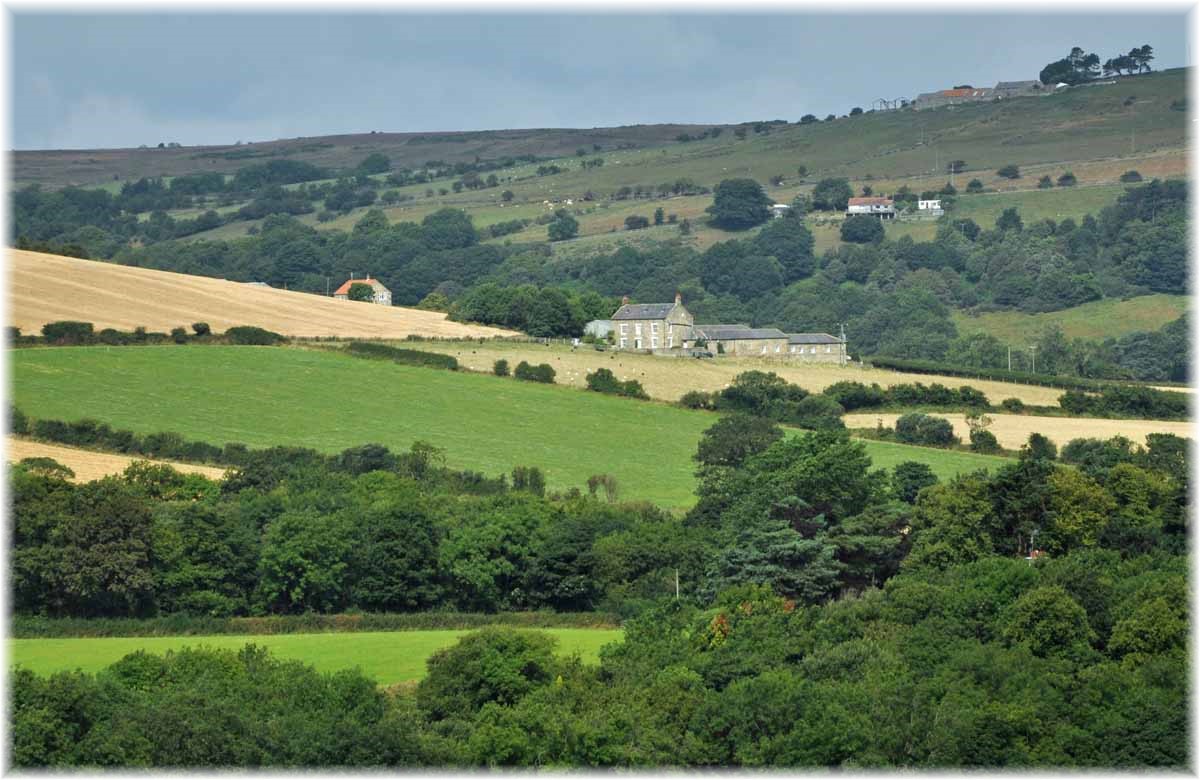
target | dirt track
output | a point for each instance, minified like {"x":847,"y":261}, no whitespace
{"x":89,"y":465}
{"x":44,"y":288}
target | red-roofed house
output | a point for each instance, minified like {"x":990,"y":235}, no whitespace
{"x":874,"y":207}
{"x":382,"y":294}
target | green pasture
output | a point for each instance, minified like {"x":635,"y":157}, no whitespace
{"x":1094,"y":320}
{"x":387,"y":657}
{"x":263,"y":396}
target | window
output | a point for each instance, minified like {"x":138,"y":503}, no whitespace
{"x":778,"y":347}
{"x":812,"y":350}
{"x":654,"y":327}
{"x":654,"y":342}
{"x":670,"y":339}
{"x":764,"y":349}
{"x":624,"y":328}
{"x":828,"y":349}
{"x":637,"y":328}
{"x":624,"y":342}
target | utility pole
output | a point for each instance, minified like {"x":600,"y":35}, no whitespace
{"x":842,"y":356}
{"x":1033,"y":357}
{"x":677,"y":584}
{"x":1010,"y":357}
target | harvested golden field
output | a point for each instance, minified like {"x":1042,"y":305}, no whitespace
{"x":89,"y":465}
{"x":669,"y":378}
{"x":1012,"y":430}
{"x":44,"y":288}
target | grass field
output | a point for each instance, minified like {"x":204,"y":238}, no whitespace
{"x":1095,"y":320}
{"x":263,"y":396}
{"x":123,"y":297}
{"x":387,"y":657}
{"x":89,"y":465}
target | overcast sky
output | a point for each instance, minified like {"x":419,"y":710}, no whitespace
{"x":91,"y":81}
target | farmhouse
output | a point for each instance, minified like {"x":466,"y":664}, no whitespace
{"x":743,"y":340}
{"x":668,"y":329}
{"x":382,"y":294}
{"x":652,"y":325}
{"x":883,"y":208}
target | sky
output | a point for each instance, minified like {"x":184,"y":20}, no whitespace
{"x":102,"y":80}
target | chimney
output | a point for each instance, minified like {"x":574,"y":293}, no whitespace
{"x":624,"y":300}
{"x":678,"y":298}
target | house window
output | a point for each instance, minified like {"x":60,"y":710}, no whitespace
{"x":654,"y":342}
{"x":654,"y":327}
{"x":637,"y":328}
{"x":812,"y":350}
{"x":777,"y":347}
{"x":828,"y":349}
{"x":624,"y":329}
{"x":624,"y":342}
{"x":670,"y":339}
{"x":764,"y":349}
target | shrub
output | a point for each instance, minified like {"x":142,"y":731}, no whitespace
{"x":179,"y":335}
{"x":543,"y":373}
{"x":529,"y":478}
{"x":604,"y":381}
{"x":909,"y":477}
{"x":1009,"y":172}
{"x":855,"y":395}
{"x":250,"y":335}
{"x":17,"y":421}
{"x":68,"y":332}
{"x":984,"y":441}
{"x":636,"y":222}
{"x":1067,"y":180}
{"x":696,"y":399}
{"x":925,"y":429}
{"x":974,"y":186}
{"x":500,"y":367}
{"x":862,"y":229}
{"x":201,"y":328}
{"x":411,"y":357}
{"x":1014,"y":405}
{"x":1130,"y":177}
{"x":1045,"y":182}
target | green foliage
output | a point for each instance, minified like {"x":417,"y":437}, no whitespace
{"x":1009,"y":172}
{"x":500,"y":367}
{"x":925,"y":429}
{"x":832,"y":195}
{"x":360,"y":291}
{"x":739,"y":204}
{"x":862,"y":229}
{"x":250,"y":335}
{"x":604,"y":381}
{"x":543,"y":372}
{"x":67,"y":332}
{"x":563,"y":227}
{"x":734,"y":438}
{"x":909,"y":478}
{"x":411,"y":357}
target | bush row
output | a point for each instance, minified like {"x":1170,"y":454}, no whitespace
{"x":31,"y":626}
{"x":70,"y":333}
{"x":543,"y":372}
{"x":1128,"y":401}
{"x":411,"y":357}
{"x":856,"y":395}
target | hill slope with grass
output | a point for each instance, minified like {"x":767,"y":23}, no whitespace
{"x":329,"y":401}
{"x":45,"y":288}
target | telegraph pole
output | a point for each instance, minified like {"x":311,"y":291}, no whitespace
{"x":1033,"y":357}
{"x":842,"y":356}
{"x":1010,"y":357}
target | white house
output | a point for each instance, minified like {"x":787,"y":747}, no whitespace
{"x":380,"y":294}
{"x":883,"y":208}
{"x":779,"y":209}
{"x":929,"y":205}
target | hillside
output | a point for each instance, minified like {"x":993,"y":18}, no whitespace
{"x":327,"y":401}
{"x":1095,"y":320}
{"x":45,"y":288}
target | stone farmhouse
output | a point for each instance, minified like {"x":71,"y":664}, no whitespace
{"x":382,"y":295}
{"x":1002,"y":90}
{"x":668,"y":329}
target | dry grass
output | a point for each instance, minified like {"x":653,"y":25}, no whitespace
{"x":1012,"y":430}
{"x":44,"y":288}
{"x":89,"y":465}
{"x":669,"y":378}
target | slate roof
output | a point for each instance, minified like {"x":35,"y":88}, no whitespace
{"x":812,"y":338}
{"x":375,"y":285}
{"x":738,"y":333}
{"x":644,"y":311}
